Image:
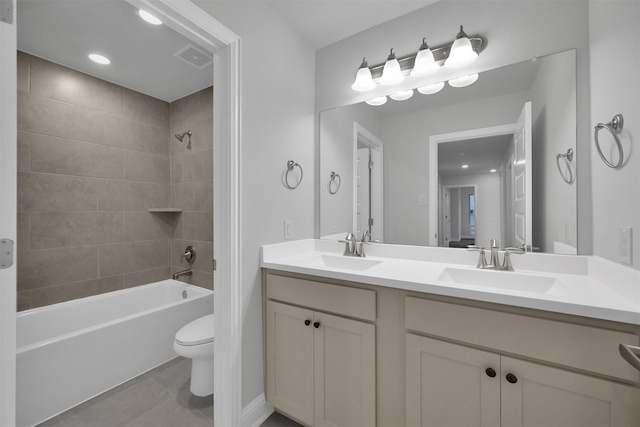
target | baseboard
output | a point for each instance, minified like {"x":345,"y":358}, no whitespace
{"x":256,"y":412}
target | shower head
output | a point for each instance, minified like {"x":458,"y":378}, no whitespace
{"x":180,"y":136}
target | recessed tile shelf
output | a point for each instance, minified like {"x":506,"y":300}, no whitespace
{"x":165,"y":210}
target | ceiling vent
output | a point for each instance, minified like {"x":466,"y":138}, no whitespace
{"x":194,"y":56}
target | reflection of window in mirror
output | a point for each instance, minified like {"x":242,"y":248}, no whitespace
{"x":472,"y":214}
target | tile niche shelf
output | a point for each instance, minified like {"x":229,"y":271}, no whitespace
{"x":165,"y":210}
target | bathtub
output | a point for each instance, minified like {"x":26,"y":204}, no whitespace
{"x":70,"y":352}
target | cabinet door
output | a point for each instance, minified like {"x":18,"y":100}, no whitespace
{"x":545,"y":396}
{"x":345,"y":369}
{"x":450,"y":385}
{"x":289,"y":359}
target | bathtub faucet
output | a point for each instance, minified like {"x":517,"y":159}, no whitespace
{"x":186,"y":272}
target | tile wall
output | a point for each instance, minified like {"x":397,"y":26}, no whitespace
{"x":93,"y":157}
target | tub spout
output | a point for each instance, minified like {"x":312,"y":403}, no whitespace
{"x":186,"y":272}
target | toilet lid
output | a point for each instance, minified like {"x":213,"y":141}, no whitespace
{"x":200,"y":331}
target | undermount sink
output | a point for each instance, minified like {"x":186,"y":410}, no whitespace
{"x":499,"y":279}
{"x":344,"y":262}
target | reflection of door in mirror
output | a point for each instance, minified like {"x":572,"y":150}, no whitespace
{"x":523,"y":193}
{"x":368,"y":190}
{"x":458,"y":216}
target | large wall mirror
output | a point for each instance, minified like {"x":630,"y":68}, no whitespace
{"x":458,"y":167}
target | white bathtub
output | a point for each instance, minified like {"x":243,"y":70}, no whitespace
{"x":70,"y":352}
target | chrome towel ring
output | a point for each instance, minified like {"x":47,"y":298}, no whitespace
{"x":334,"y":182}
{"x":614,"y":127}
{"x":290,"y":166}
{"x":568,"y":158}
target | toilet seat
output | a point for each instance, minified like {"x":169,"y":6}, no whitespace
{"x":197,"y":332}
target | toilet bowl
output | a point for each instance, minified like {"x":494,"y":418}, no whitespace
{"x":195,"y":341}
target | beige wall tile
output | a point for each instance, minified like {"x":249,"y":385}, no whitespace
{"x":56,"y":118}
{"x":193,"y":196}
{"x":202,"y":279}
{"x":136,"y":256}
{"x":72,"y":229}
{"x":193,"y":107}
{"x":133,"y":135}
{"x":144,"y":108}
{"x":131,"y":196}
{"x":198,"y":166}
{"x":70,"y":291}
{"x":24,"y":139}
{"x":23,"y":239}
{"x":39,"y":269}
{"x":147,"y":226}
{"x":62,"y":83}
{"x":177,"y":228}
{"x":64,"y":156}
{"x":198,"y":226}
{"x":146,"y":167}
{"x":23,"y":71}
{"x":176,"y":169}
{"x":138,"y":278}
{"x":42,"y":192}
{"x":24,"y":301}
{"x":201,"y":139}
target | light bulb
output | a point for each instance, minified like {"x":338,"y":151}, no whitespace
{"x":425,"y":63}
{"x":431,"y":89}
{"x":402,"y":95}
{"x":464,"y":80}
{"x":99,"y":59}
{"x":151,"y":19}
{"x":391,"y":73}
{"x":461,"y":52}
{"x":363,"y":81}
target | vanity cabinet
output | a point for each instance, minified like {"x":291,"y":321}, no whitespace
{"x":320,"y":351}
{"x":451,"y":383}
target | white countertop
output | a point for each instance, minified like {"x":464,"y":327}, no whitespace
{"x":579,"y":285}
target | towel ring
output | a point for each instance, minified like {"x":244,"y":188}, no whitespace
{"x":290,"y":166}
{"x":337,"y":183}
{"x":567,"y":157}
{"x":614,"y":127}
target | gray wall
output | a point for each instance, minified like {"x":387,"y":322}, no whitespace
{"x":93,"y":157}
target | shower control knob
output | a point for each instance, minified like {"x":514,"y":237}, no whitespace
{"x":316,"y":325}
{"x":307,"y":322}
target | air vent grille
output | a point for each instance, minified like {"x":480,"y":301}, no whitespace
{"x":194,"y":56}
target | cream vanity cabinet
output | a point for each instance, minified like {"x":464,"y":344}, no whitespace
{"x":469,"y":366}
{"x":320,"y":351}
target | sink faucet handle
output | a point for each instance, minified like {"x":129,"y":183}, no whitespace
{"x":350,"y":244}
{"x":506,"y":262}
{"x":482,"y":261}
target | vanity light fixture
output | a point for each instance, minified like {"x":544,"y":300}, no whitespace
{"x":462,"y":52}
{"x":464,"y":80}
{"x":377,"y":101}
{"x":403,"y":95}
{"x":151,"y":19}
{"x":99,"y":59}
{"x":391,"y":73}
{"x":363,"y":81}
{"x":428,"y":60}
{"x":431,"y":89}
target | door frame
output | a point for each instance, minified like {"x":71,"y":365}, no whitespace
{"x":443,"y":138}
{"x":191,"y":21}
{"x":360,"y":133}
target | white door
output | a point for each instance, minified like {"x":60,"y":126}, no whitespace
{"x":522,"y":185}
{"x":363,"y":202}
{"x":8,"y":208}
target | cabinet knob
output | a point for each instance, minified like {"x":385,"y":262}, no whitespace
{"x":316,"y":325}
{"x":491,"y":372}
{"x":307,"y":322}
{"x":512,"y":378}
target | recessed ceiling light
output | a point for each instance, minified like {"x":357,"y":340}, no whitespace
{"x":465,"y":166}
{"x":151,"y":19}
{"x":99,"y":59}
{"x":493,"y":170}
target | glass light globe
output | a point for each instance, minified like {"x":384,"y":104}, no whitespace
{"x":425,"y":63}
{"x":402,"y":95}
{"x":431,"y":89}
{"x":464,"y":80}
{"x":461,"y":52}
{"x":363,"y":81}
{"x":391,"y":73}
{"x":379,"y":100}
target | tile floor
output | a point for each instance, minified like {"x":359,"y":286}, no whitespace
{"x":158,"y":398}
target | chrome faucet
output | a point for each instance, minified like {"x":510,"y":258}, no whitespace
{"x":494,"y":262}
{"x":366,"y":240}
{"x":353,"y":247}
{"x":186,"y":272}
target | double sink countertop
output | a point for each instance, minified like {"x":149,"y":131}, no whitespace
{"x":571,"y":284}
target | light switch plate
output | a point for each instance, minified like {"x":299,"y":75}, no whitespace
{"x":626,"y":245}
{"x":288,"y":229}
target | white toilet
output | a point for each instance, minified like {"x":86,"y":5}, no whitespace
{"x":195,"y":341}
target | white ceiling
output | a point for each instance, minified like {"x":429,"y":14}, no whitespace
{"x":66,"y":31}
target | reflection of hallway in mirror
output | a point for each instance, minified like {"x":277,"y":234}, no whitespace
{"x":458,"y":216}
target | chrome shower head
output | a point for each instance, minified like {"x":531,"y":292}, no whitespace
{"x":180,"y":136}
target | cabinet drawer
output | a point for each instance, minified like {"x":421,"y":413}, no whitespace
{"x":577,"y":346}
{"x":344,"y":300}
